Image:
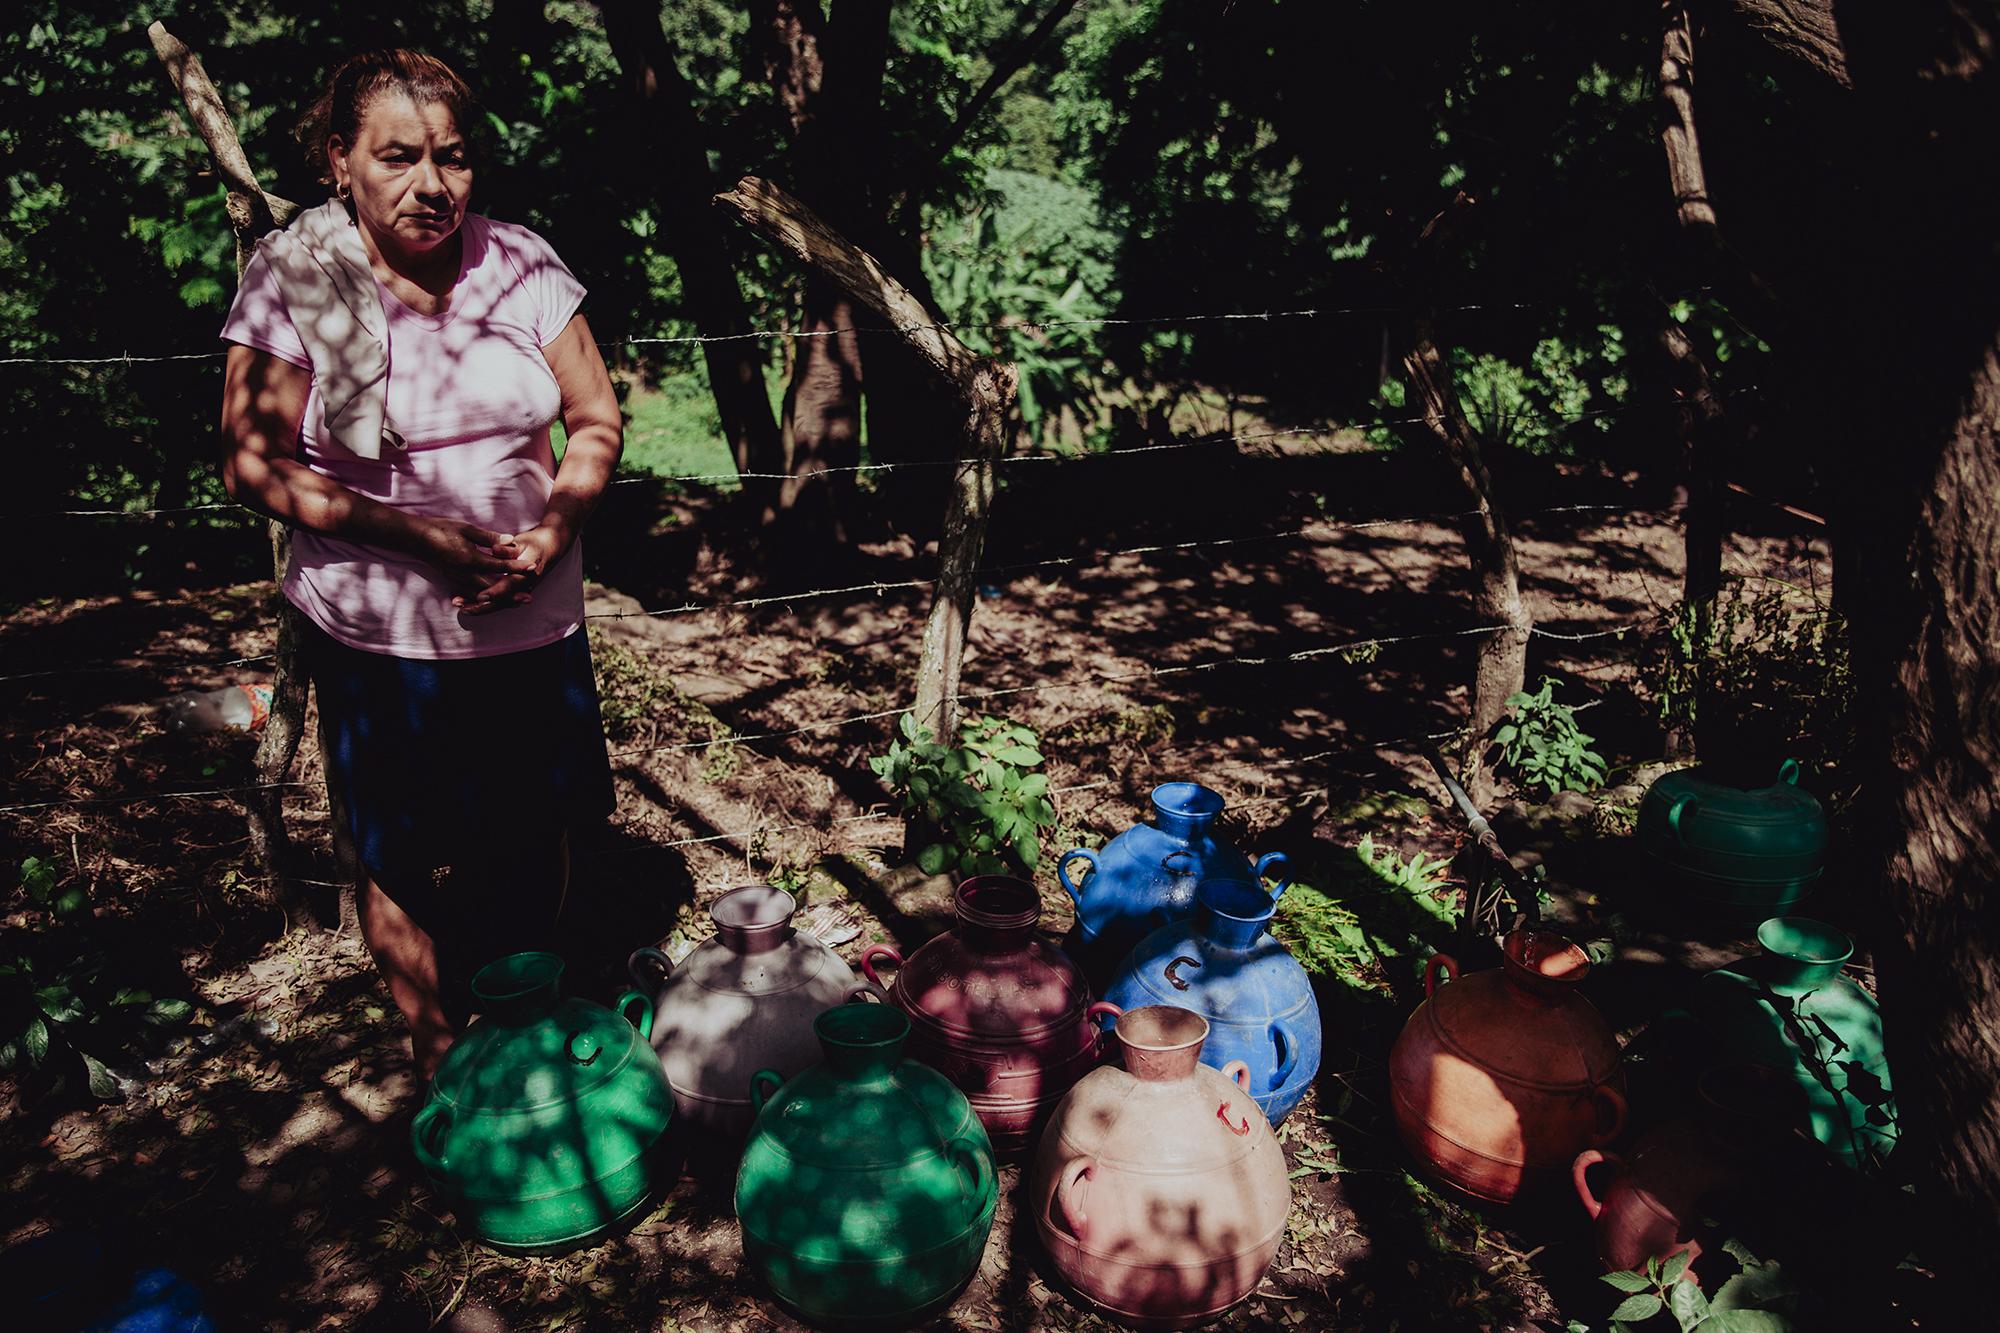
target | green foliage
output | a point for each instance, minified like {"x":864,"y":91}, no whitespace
{"x":64,"y":1022}
{"x":980,"y":802}
{"x":1740,"y":1305}
{"x":1543,"y":747}
{"x":1560,"y":396}
{"x":1766,"y":667}
{"x":1377,"y":908}
{"x":1014,"y":276}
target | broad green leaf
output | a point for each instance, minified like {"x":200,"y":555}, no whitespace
{"x":1676,"y":1265}
{"x":935,"y":859}
{"x":1022,"y":755}
{"x":1748,"y":1321}
{"x":1643,"y":1306}
{"x":1687,"y":1303}
{"x":1628,"y":1281}
{"x":35,"y":1041}
{"x":102,"y":1084}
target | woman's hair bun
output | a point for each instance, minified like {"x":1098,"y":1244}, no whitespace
{"x":360,"y":79}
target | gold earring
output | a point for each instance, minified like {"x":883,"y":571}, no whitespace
{"x":343,"y":192}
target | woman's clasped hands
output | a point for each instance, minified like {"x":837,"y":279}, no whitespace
{"x":489,"y":570}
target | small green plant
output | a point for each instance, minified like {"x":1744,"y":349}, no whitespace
{"x":1542,"y":746}
{"x":1405,"y":902}
{"x":1418,"y":875}
{"x":978,"y":807}
{"x":1660,"y":1288}
{"x":1765,"y":667}
{"x":59,"y":1013}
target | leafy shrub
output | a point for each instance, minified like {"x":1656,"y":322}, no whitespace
{"x":64,"y":1020}
{"x":1404,"y":902}
{"x":1542,"y":746}
{"x":1767,"y":669}
{"x":979,"y":806}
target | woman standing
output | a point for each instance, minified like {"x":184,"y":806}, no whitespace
{"x":396,"y":364}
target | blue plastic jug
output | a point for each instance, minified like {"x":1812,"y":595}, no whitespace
{"x":1224,"y":964}
{"x":1145,"y":877}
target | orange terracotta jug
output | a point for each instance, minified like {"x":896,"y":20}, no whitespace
{"x":1500,"y":1079}
{"x":1159,"y":1190}
{"x":1651,"y":1205}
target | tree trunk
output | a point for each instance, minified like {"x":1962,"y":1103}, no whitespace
{"x":1900,"y":316}
{"x":1503,"y":656}
{"x":826,"y":73}
{"x":1703,"y":447}
{"x":671,"y":135}
{"x":822,"y":415}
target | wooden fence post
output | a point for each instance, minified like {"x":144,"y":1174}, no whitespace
{"x":984,"y":385}
{"x":252,"y":213}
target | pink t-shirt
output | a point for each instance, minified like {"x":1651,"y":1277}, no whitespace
{"x":472,"y":395}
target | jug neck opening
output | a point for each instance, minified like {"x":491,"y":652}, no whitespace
{"x":863,"y":1041}
{"x":996,"y":913}
{"x":1184,"y":809}
{"x":1802,"y":954}
{"x":753,"y":919}
{"x":1160,"y":1042}
{"x":518,"y":988}
{"x":1542,"y":966}
{"x":1235,"y":911}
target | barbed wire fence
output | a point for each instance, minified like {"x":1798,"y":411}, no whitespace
{"x":1357,"y":650}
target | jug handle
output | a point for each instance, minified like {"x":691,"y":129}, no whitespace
{"x":1101,"y":1009}
{"x":424,"y":1131}
{"x":1678,"y":811}
{"x":1062,"y":872}
{"x":1438,"y":961}
{"x":1788,"y":773}
{"x":644,"y":1021}
{"x":868,"y":957}
{"x":1266,"y":863}
{"x":1070,"y":1192}
{"x":865,"y":995}
{"x":758,"y":1097}
{"x":1613,"y":1099}
{"x":1579,"y":1172}
{"x":1237,"y":1072}
{"x":966,"y":1154}
{"x":657,"y":958}
{"x":1288,"y":1045}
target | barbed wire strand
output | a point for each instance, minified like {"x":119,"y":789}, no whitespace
{"x":1028,"y":325}
{"x":1363,"y":645}
{"x":877,"y":587}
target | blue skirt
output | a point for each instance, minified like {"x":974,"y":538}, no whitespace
{"x":478,"y":764}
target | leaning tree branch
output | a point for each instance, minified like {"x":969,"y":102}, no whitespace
{"x":1005,"y":68}
{"x":986,"y":387}
{"x":1804,"y":31}
{"x":796,"y":229}
{"x":253,"y":212}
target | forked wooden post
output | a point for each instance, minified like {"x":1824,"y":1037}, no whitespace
{"x":253,"y":212}
{"x":985,"y":386}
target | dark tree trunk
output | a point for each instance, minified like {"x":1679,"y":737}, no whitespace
{"x":826,"y":72}
{"x":671,"y":135}
{"x":1503,"y":655}
{"x":1704,"y":446}
{"x":1900,"y":313}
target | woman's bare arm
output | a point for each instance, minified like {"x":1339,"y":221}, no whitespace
{"x":596,"y":434}
{"x":263,"y":405}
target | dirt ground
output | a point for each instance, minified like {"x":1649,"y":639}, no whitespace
{"x":268,"y":1160}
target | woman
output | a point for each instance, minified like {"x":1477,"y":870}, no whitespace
{"x":395,"y":365}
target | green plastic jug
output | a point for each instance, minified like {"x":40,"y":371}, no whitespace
{"x":546,"y":1120}
{"x":1737,"y":854}
{"x":1791,"y":1008}
{"x":867,"y":1186}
